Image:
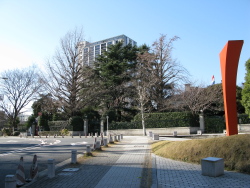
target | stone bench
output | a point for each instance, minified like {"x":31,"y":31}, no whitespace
{"x":212,"y":166}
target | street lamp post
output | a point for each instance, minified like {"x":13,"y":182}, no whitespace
{"x":107,"y":125}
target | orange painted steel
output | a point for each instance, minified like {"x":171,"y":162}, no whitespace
{"x":229,"y":59}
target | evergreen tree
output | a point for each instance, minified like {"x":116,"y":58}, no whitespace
{"x":246,"y":89}
{"x":112,"y":76}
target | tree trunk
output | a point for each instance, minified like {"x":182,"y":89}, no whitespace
{"x":143,"y":121}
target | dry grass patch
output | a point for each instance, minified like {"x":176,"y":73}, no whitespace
{"x":234,"y":149}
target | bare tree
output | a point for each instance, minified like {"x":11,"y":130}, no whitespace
{"x":21,"y":87}
{"x":144,"y":80}
{"x":199,"y":98}
{"x":64,"y":73}
{"x":168,"y":72}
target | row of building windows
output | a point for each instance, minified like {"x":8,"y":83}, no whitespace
{"x":92,"y":50}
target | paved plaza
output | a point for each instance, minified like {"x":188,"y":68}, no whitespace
{"x":129,"y":164}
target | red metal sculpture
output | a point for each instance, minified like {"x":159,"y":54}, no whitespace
{"x":229,"y":59}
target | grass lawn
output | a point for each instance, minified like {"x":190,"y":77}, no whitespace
{"x":234,"y":149}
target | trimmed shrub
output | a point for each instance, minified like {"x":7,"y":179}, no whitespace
{"x":77,"y":123}
{"x":244,"y":119}
{"x":214,"y":124}
{"x":16,"y":133}
{"x":59,"y":125}
{"x":160,"y":120}
{"x":64,"y":132}
{"x":6,"y":131}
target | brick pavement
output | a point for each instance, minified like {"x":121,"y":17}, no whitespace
{"x":171,"y":173}
{"x":118,"y":166}
{"x":128,"y":164}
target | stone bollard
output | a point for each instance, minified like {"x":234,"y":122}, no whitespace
{"x":111,"y":139}
{"x":199,"y":132}
{"x":212,"y":166}
{"x":73,"y":156}
{"x":10,"y":181}
{"x":121,"y":136}
{"x":150,"y":134}
{"x":97,"y":145}
{"x":155,"y":137}
{"x":175,"y":133}
{"x":51,"y":168}
{"x":105,"y":142}
{"x":96,"y":134}
{"x":115,"y":138}
{"x":88,"y":149}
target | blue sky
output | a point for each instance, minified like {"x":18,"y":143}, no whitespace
{"x":30,"y":30}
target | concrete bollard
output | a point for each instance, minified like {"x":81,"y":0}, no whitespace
{"x":10,"y":181}
{"x":121,"y":136}
{"x":212,"y":166}
{"x":175,"y":133}
{"x":105,"y":142}
{"x":155,"y":137}
{"x":224,"y":131}
{"x":111,"y":139}
{"x":199,"y":132}
{"x":96,"y":134}
{"x":115,"y":138}
{"x":88,"y":149}
{"x":97,"y":145}
{"x":150,"y":134}
{"x":51,"y":168}
{"x":80,"y":135}
{"x":73,"y":156}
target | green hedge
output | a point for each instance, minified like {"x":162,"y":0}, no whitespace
{"x":77,"y":123}
{"x":159,"y":120}
{"x":244,"y":119}
{"x":214,"y":124}
{"x":59,"y":125}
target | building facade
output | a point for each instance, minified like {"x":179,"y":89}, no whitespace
{"x":90,"y":51}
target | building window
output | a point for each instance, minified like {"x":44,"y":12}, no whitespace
{"x":103,"y":47}
{"x":97,"y":50}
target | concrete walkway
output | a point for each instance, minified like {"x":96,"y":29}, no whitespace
{"x":130,"y":164}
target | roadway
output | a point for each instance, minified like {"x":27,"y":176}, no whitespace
{"x":12,"y":148}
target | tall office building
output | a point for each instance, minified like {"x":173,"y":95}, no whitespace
{"x":90,"y":51}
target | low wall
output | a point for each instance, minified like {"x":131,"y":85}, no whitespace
{"x":160,"y":131}
{"x":244,"y":128}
